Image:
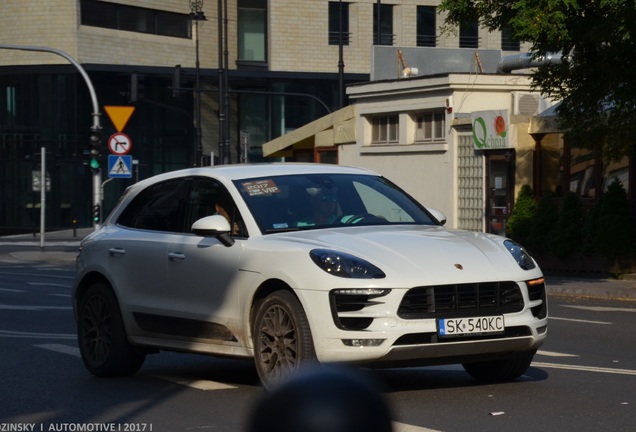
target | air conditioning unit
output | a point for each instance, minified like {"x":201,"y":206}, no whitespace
{"x":524,"y":103}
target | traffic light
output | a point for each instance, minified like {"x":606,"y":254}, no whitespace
{"x":95,"y":147}
{"x":97,"y":213}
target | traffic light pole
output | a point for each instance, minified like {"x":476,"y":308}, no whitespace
{"x":97,"y":173}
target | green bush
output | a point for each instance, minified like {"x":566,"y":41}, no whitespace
{"x":606,"y":231}
{"x":544,"y":225}
{"x":568,"y":237}
{"x":520,"y":221}
{"x":613,"y":228}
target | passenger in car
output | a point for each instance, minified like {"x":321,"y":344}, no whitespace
{"x":226,"y":208}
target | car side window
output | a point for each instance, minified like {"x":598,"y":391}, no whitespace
{"x":157,"y":208}
{"x":208,"y":197}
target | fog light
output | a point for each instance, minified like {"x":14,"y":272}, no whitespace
{"x":363,"y":342}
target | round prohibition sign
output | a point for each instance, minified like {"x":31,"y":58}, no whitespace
{"x":119,"y":144}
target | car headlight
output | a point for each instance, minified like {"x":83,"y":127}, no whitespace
{"x":345,"y":265}
{"x":520,"y":255}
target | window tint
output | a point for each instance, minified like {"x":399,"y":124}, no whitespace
{"x":508,"y":41}
{"x":469,"y":35}
{"x":252,"y":30}
{"x":385,"y":20}
{"x":157,"y":208}
{"x":207,"y":198}
{"x":426,"y":26}
{"x":336,"y":10}
{"x":314,"y":201}
{"x":136,"y":19}
{"x":174,"y":205}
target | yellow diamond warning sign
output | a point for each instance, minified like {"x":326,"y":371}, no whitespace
{"x":119,"y":115}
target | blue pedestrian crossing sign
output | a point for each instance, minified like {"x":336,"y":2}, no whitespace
{"x":119,"y":166}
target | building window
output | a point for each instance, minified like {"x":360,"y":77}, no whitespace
{"x":135,"y":19}
{"x":426,"y":26}
{"x":469,"y":35}
{"x":385,"y":129}
{"x":430,"y":126}
{"x":385,"y":20}
{"x":508,"y":42}
{"x":252,"y":30}
{"x":334,"y":23}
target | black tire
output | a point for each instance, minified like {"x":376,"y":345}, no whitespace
{"x":102,"y":337}
{"x":501,"y":370}
{"x":282,"y":338}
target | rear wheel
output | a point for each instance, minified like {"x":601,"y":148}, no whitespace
{"x":102,"y":337}
{"x":500,"y":370}
{"x":282,"y":338}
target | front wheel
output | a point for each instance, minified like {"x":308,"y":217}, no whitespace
{"x":102,"y":338}
{"x":500,"y":370}
{"x":282,"y":338}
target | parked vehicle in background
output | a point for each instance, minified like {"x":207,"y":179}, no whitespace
{"x":296,"y":263}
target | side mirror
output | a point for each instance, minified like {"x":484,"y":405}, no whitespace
{"x":214,"y":226}
{"x":441,"y":217}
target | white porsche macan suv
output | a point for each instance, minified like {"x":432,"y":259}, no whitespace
{"x":291,"y":264}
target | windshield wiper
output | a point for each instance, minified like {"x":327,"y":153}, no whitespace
{"x":279,"y":230}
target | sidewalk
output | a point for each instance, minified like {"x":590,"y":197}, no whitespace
{"x":61,"y":247}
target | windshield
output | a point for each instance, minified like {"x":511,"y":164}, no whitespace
{"x":311,"y":201}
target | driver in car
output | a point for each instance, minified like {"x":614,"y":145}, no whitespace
{"x":324,"y":207}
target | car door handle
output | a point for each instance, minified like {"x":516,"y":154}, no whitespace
{"x":116,"y":251}
{"x":176,"y":256}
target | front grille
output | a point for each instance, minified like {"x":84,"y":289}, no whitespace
{"x":448,"y":301}
{"x":433,"y":338}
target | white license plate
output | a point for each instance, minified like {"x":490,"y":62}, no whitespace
{"x":470,"y":326}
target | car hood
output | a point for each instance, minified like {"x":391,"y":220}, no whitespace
{"x":440,"y":253}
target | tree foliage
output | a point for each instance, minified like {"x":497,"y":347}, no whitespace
{"x":596,"y":81}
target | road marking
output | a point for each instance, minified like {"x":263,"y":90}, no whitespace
{"x":28,"y":335}
{"x":48,"y":275}
{"x":601,"y":308}
{"x":581,"y":321}
{"x":49,"y":284}
{"x":403,"y":427}
{"x":34,"y":308}
{"x":555,"y":354}
{"x":194,"y":383}
{"x":46,"y":243}
{"x":11,"y":290}
{"x":64,"y":349}
{"x":585,"y":368}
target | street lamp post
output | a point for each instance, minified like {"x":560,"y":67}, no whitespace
{"x":340,"y":58}
{"x":224,"y":104}
{"x":196,"y":15}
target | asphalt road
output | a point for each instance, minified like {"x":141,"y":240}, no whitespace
{"x":582,"y":379}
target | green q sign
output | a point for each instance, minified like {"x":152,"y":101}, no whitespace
{"x":490,"y":129}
